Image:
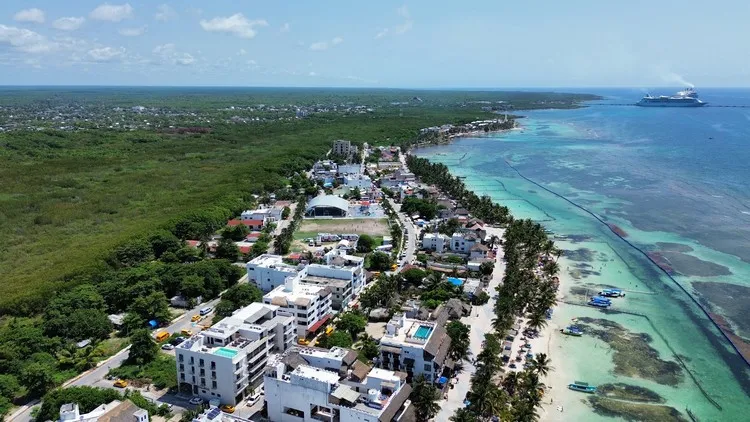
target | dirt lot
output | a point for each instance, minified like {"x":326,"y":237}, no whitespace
{"x":371,"y":226}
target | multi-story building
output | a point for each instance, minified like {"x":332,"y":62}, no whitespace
{"x":436,"y":242}
{"x":463,"y":242}
{"x":344,"y":148}
{"x":268,"y":215}
{"x":116,"y":410}
{"x":310,"y":304}
{"x":308,"y":384}
{"x":226,"y":361}
{"x":415,"y":347}
{"x":269,"y":271}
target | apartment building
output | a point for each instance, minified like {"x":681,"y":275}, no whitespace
{"x":309,"y":384}
{"x":463,"y":242}
{"x":310,"y":304}
{"x":344,"y":148}
{"x":436,"y":242}
{"x":226,"y":361}
{"x":415,"y":347}
{"x":269,"y":271}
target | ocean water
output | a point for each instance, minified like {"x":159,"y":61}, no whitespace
{"x":674,"y":184}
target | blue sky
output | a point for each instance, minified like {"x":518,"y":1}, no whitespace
{"x":436,"y":43}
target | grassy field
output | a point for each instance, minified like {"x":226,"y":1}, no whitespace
{"x":371,"y":226}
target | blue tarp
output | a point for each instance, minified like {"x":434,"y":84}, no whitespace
{"x":442,"y":380}
{"x":455,"y":281}
{"x":153,"y":323}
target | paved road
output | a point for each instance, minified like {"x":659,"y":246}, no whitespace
{"x":480,"y":322}
{"x":96,"y":377}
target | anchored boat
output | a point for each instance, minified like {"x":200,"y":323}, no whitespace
{"x":583,"y":387}
{"x":611,"y":293}
{"x":572,"y":330}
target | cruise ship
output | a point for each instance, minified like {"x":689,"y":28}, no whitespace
{"x":684,"y":98}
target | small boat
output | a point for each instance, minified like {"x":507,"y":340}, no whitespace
{"x":572,"y":331}
{"x":583,"y":387}
{"x":600,"y":304}
{"x":612,"y":293}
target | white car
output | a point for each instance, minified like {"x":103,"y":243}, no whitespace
{"x":196,"y":401}
{"x":167,"y":346}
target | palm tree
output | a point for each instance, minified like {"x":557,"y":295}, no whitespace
{"x":541,"y":364}
{"x":537,"y":321}
{"x":424,"y":397}
{"x":463,"y":415}
{"x":510,"y":383}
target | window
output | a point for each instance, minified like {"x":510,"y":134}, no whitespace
{"x":202,"y":362}
{"x":180,"y":357}
{"x":203,"y":372}
{"x":213,"y":384}
{"x":182,"y":367}
{"x":427,"y":367}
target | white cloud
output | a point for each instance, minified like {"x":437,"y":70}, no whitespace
{"x":112,"y":12}
{"x":106,"y":54}
{"x":242,"y":52}
{"x":403,"y":11}
{"x":285,"y":27}
{"x":323,"y":45}
{"x":236,"y":24}
{"x":165,"y":13}
{"x":402,"y":28}
{"x":319,"y":46}
{"x":132,"y":32}
{"x":168,"y":54}
{"x":30,"y":15}
{"x":312,"y":74}
{"x":68,"y":24}
{"x":24,"y":40}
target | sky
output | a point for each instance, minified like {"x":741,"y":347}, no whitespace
{"x":412,"y":44}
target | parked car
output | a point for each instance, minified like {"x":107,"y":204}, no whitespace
{"x":196,"y":401}
{"x":227,"y":408}
{"x":120,"y":383}
{"x":176,"y":341}
{"x":195,"y":318}
{"x":205,"y":311}
{"x":167,"y":347}
{"x":186,"y":332}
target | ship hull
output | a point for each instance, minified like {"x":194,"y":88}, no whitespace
{"x":640,"y":104}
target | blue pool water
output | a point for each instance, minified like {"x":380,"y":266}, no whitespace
{"x":423,"y":332}
{"x":224,"y":352}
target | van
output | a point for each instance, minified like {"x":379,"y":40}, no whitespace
{"x":205,"y":311}
{"x":162,"y":336}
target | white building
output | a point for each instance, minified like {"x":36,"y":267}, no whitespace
{"x":359,"y":181}
{"x":436,"y":242}
{"x":310,"y":304}
{"x":415,"y":347}
{"x":478,"y":251}
{"x":343,"y":274}
{"x":463,"y":242}
{"x":309,"y":384}
{"x":269,"y":271}
{"x":268,"y":215}
{"x":226,"y":361}
{"x":124,"y":411}
{"x":349,"y":169}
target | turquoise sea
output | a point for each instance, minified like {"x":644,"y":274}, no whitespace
{"x":674,"y":183}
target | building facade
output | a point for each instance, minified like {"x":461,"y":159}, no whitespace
{"x":463,"y":242}
{"x":436,"y":242}
{"x":269,"y":271}
{"x":308,"y":384}
{"x":124,"y":411}
{"x":344,"y":148}
{"x":310,"y":304}
{"x":415,"y":347}
{"x":226,"y":361}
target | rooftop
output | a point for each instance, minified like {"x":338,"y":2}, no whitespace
{"x":402,"y":331}
{"x":300,"y":294}
{"x":272,"y":261}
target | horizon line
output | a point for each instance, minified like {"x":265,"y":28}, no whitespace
{"x":450,"y":88}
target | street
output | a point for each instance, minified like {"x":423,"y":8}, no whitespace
{"x":480,"y":322}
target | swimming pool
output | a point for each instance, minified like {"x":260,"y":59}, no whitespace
{"x":423,"y":332}
{"x":224,"y":352}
